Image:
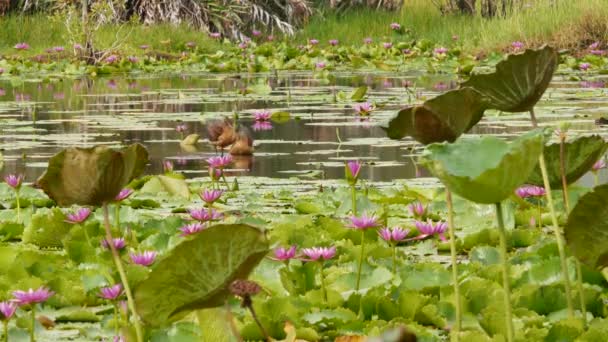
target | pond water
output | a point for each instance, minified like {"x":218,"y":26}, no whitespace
{"x":38,"y":118}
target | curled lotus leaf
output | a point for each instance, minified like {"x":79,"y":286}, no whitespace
{"x":485,"y":169}
{"x":442,"y":118}
{"x":580,"y":155}
{"x":586,"y":231}
{"x":196,"y":274}
{"x":519,"y":81}
{"x":91,"y":176}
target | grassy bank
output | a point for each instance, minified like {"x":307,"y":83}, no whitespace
{"x":573,"y":24}
{"x":570,"y":25}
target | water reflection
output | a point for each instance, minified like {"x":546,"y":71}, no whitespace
{"x":38,"y":119}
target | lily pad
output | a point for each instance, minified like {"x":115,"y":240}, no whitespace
{"x":91,"y":176}
{"x":519,"y":81}
{"x":581,"y":154}
{"x":443,"y":118}
{"x":485,"y":169}
{"x":196,"y":274}
{"x":586,"y":231}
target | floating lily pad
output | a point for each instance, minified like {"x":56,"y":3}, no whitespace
{"x":581,"y":154}
{"x":91,"y":176}
{"x":443,"y":118}
{"x":586,"y":231}
{"x":485,"y":169}
{"x":196,"y":274}
{"x":519,"y":81}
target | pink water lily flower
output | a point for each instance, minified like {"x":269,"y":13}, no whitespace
{"x":191,"y":228}
{"x":14,"y":181}
{"x":181,"y":128}
{"x":530,"y":191}
{"x":283,"y":254}
{"x":32,"y":296}
{"x":333,"y":42}
{"x":7,"y":309}
{"x":395,"y":234}
{"x":203,"y":215}
{"x":262,"y":126}
{"x":600,"y":164}
{"x":133,"y":59}
{"x":363,"y":222}
{"x":320,"y":65}
{"x":210,"y":196}
{"x":584,"y":66}
{"x":367,"y":40}
{"x":111,"y":59}
{"x":387,"y":45}
{"x":144,"y":259}
{"x":79,"y":216}
{"x":430,"y":228}
{"x":517,"y":45}
{"x":319,"y":253}
{"x":118,"y":243}
{"x":219,"y":162}
{"x":352,"y":170}
{"x":440,"y":51}
{"x":313,"y":42}
{"x":363,"y":108}
{"x":395,"y":26}
{"x":111,"y":292}
{"x":215,"y":35}
{"x":262,"y":115}
{"x":22,"y":46}
{"x":168,"y":166}
{"x":417,"y":209}
{"x":123,"y":194}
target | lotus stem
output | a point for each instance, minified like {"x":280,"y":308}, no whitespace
{"x":5,"y":323}
{"x":18,"y":205}
{"x":257,"y":321}
{"x":394,"y":259}
{"x":360,"y":259}
{"x":323,"y":282}
{"x":116,"y":319}
{"x":505,"y":273}
{"x":596,"y":179}
{"x":117,"y":214}
{"x":579,"y":274}
{"x":556,"y":230}
{"x":230,"y":319}
{"x":353,"y":197}
{"x":338,"y":136}
{"x":458,"y":323}
{"x":121,"y":272}
{"x":33,"y":324}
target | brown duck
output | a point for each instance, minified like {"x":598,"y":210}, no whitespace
{"x":222,"y":133}
{"x":243,"y":143}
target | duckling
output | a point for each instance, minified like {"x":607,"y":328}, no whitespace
{"x":243,"y":144}
{"x":221,"y":133}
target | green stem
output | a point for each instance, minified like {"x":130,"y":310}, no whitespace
{"x":117,"y":215}
{"x":5,"y":323}
{"x":123,"y":275}
{"x":458,"y":323}
{"x":360,"y":259}
{"x":33,"y":324}
{"x":394,"y":259}
{"x":579,"y":275}
{"x":18,"y":206}
{"x":540,"y":215}
{"x":596,"y":178}
{"x":86,"y":235}
{"x":353,"y":196}
{"x":116,"y":319}
{"x":323,"y":282}
{"x":556,"y":230}
{"x":505,"y":272}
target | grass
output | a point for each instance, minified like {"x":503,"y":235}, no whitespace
{"x":573,"y":24}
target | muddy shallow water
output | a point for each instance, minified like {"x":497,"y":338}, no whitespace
{"x":38,"y":118}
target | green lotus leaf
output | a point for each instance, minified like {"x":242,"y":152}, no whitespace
{"x":485,"y":169}
{"x":586,"y":231}
{"x":91,"y":176}
{"x":196,"y":274}
{"x":581,"y":154}
{"x":519,"y":81}
{"x":443,"y":118}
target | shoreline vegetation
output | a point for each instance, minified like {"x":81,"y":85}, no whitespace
{"x":355,"y":39}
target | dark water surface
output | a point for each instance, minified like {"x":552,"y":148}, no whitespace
{"x":38,"y":118}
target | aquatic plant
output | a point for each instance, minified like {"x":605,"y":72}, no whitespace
{"x":29,"y":299}
{"x":14,"y":181}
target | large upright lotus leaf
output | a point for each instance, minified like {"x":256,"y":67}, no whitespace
{"x":485,"y":169}
{"x":91,"y":176}
{"x":586,"y":231}
{"x":443,"y":118}
{"x":196,"y":274}
{"x":581,"y":154}
{"x":519,"y":81}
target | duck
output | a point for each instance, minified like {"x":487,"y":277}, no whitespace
{"x":243,"y":143}
{"x":221,"y":133}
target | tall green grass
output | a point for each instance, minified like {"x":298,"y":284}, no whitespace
{"x":569,"y":24}
{"x":572,"y":24}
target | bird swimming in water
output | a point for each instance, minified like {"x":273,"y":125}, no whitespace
{"x":222,"y":133}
